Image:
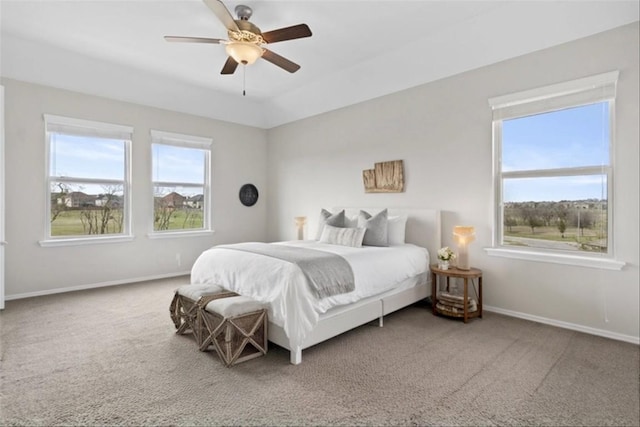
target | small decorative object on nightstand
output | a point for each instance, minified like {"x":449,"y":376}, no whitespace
{"x":462,"y":306}
{"x":445,"y":255}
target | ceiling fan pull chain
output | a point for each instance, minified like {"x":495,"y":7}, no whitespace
{"x":244,"y":80}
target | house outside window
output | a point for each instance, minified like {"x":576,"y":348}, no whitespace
{"x":88,"y":181}
{"x":181,"y":176}
{"x":553,"y":171}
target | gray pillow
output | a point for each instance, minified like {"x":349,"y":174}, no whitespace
{"x":335,"y":220}
{"x":377,"y":226}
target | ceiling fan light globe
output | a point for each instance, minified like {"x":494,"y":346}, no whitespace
{"x":244,"y":52}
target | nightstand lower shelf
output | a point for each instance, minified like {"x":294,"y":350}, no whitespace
{"x":448,"y":313}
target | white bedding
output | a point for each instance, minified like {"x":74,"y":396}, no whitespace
{"x":283,"y":285}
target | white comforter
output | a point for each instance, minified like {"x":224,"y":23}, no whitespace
{"x":284,"y":287}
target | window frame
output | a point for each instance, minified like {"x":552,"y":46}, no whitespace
{"x":186,"y":141}
{"x":87,"y":128}
{"x":585,"y":91}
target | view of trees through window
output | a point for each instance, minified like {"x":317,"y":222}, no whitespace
{"x":175,"y":210}
{"x":74,"y":212}
{"x":179,"y":187}
{"x":555,"y":173}
{"x":87,"y":177}
{"x":567,"y":225}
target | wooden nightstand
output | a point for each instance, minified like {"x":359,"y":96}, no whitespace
{"x":472,"y":273}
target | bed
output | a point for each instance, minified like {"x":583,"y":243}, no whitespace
{"x":299,"y":319}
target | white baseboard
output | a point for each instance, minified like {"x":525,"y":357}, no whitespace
{"x":94,"y":285}
{"x":565,"y":325}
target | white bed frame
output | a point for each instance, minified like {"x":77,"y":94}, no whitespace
{"x":423,"y":229}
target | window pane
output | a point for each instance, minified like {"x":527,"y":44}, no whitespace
{"x":79,"y":209}
{"x":572,"y":137}
{"x":178,"y":208}
{"x":178,"y":164}
{"x":559,"y":213}
{"x":87,"y":157}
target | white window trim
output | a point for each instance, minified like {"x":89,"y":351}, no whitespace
{"x":97,"y":129}
{"x":188,"y":141}
{"x":78,"y":241}
{"x":594,"y":89}
{"x":598,"y":88}
{"x":567,"y":259}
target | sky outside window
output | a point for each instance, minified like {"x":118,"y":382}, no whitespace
{"x":574,"y":137}
{"x":178,"y":164}
{"x":83,"y":157}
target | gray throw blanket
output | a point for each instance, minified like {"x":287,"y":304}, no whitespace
{"x":328,"y":274}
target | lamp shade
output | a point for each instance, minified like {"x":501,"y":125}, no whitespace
{"x":244,"y":52}
{"x":463,"y":235}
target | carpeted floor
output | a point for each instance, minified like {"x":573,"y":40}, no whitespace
{"x":109,"y":357}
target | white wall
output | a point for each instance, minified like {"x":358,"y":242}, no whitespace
{"x":239,"y":155}
{"x":442,"y":131}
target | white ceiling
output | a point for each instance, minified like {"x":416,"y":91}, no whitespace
{"x":359,"y":49}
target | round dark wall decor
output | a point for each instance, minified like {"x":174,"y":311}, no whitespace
{"x":248,"y":194}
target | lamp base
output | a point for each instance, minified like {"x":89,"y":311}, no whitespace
{"x":463,"y":260}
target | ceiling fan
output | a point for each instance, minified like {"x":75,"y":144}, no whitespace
{"x":244,"y":45}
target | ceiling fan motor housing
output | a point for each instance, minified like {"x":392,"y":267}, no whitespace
{"x":243,"y":12}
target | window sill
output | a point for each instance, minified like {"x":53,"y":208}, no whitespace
{"x":78,"y":241}
{"x":578,"y":260}
{"x":174,"y":234}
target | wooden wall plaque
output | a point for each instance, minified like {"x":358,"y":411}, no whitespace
{"x":385,"y":177}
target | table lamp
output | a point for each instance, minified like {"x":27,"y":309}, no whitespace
{"x":301,"y":221}
{"x":463,"y":235}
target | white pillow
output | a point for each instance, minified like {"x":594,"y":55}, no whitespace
{"x":396,"y":228}
{"x":342,"y":236}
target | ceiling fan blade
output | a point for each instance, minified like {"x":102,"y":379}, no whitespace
{"x":229,"y":67}
{"x":222,"y":13}
{"x":192,"y":39}
{"x":288,"y":33}
{"x":280,"y":61}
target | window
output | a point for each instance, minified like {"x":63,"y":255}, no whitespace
{"x":553,"y":170}
{"x":88,"y":180}
{"x":181,"y":183}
